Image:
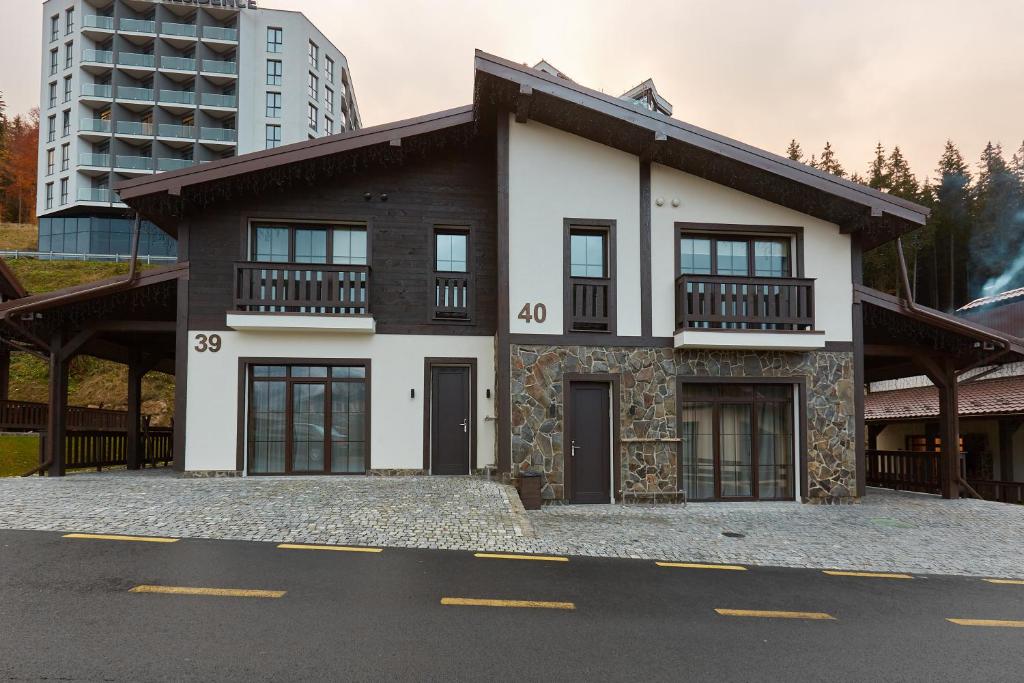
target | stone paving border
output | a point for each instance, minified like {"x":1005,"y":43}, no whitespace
{"x":888,"y":531}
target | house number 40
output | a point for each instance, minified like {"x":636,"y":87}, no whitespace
{"x":537,"y":312}
{"x":211,"y":343}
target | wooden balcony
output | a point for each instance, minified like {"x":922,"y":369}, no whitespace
{"x":744,"y":303}
{"x":452,"y":296}
{"x":590,"y":304}
{"x":316,"y":289}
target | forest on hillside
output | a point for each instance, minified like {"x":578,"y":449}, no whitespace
{"x":19,"y":154}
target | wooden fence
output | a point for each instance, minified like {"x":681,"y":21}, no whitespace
{"x":100,"y":449}
{"x":24,"y":416}
{"x":919,"y":471}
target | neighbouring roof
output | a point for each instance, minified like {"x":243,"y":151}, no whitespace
{"x":1003,"y":396}
{"x":1000,"y":298}
{"x":648,"y":87}
{"x":10,"y":285}
{"x":549,"y":68}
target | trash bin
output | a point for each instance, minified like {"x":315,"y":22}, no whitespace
{"x":529,"y":489}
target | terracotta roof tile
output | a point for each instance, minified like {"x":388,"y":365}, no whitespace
{"x":1001,"y":297}
{"x":1003,"y":396}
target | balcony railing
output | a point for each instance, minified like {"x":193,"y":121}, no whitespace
{"x":178,"y":96}
{"x":746,"y":303}
{"x":135,"y":94}
{"x":168,"y":28}
{"x":590,"y":304}
{"x":95,"y":194}
{"x":97,"y":90}
{"x":136,"y":59}
{"x":217,"y":100}
{"x":88,"y":159}
{"x":134,"y":128}
{"x":178,"y":63}
{"x":91,"y":56}
{"x":218,"y":134}
{"x":134,"y":163}
{"x":220,"y":33}
{"x":217,"y":66}
{"x":173,"y":130}
{"x":138,"y":25}
{"x":94,"y":126}
{"x":173,"y":164}
{"x":95,"y":21}
{"x":452,"y":292}
{"x":302,"y":288}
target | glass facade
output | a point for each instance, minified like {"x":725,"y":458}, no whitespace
{"x":100,"y":235}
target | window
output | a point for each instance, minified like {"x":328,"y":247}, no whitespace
{"x":313,"y":116}
{"x":273,"y":136}
{"x":51,"y":128}
{"x":309,"y":419}
{"x":329,"y":98}
{"x":452,"y":282}
{"x":314,"y":55}
{"x":328,"y":126}
{"x":69,"y":21}
{"x":313,"y":86}
{"x":54,"y":27}
{"x":53,"y":95}
{"x":67,"y":88}
{"x":67,"y":124}
{"x":69,"y":59}
{"x":49,"y":195}
{"x":275,"y":72}
{"x":53,"y":62}
{"x":338,"y":245}
{"x":590,"y":288}
{"x":329,"y":68}
{"x":736,"y":441}
{"x":273,"y":105}
{"x":450,"y":250}
{"x":65,"y":156}
{"x":587,"y":254}
{"x":49,"y":161}
{"x":63,"y":191}
{"x":275,"y":40}
{"x":734,"y":255}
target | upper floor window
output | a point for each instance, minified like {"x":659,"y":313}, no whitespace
{"x":314,"y":55}
{"x":329,"y":68}
{"x":67,"y":88}
{"x":452,"y":279}
{"x":313,"y":117}
{"x":54,"y":27}
{"x":51,"y":128}
{"x":273,"y":105}
{"x":328,"y":126}
{"x":732,"y":255}
{"x":69,"y":54}
{"x":273,"y":136}
{"x":338,"y":245}
{"x":67,"y":124}
{"x":49,"y":195}
{"x":313,"y":86}
{"x":589,"y":269}
{"x":53,"y":61}
{"x":53,"y":95}
{"x":329,"y":98}
{"x":63,"y":191}
{"x":275,"y":72}
{"x":275,"y":40}
{"x":69,"y":21}
{"x":65,"y":156}
{"x":450,"y":250}
{"x":49,"y":162}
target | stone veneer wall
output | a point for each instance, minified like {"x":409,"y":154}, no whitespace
{"x":647,"y":411}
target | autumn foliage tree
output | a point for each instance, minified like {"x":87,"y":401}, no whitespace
{"x":19,"y":150}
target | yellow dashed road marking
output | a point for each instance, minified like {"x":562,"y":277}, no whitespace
{"x":690,"y":565}
{"x":338,"y":548}
{"x":867,"y":575}
{"x":1006,"y":582}
{"x":998,"y":623}
{"x":500,"y":556}
{"x":108,"y":537}
{"x":213,"y":592}
{"x":537,"y":604}
{"x":771,"y":614}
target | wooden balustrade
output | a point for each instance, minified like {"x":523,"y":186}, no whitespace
{"x":302,"y":288}
{"x":999,"y":491}
{"x":590,"y":304}
{"x":105,"y":449}
{"x":17,"y":416}
{"x":452,"y":292}
{"x":754,"y":303}
{"x":903,"y":470}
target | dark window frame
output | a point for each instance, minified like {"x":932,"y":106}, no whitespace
{"x":277,"y":142}
{"x":294,"y":225}
{"x":589,"y":225}
{"x":276,"y":46}
{"x":246,"y":380}
{"x":748,"y":233}
{"x":275,"y":77}
{"x":453,"y":228}
{"x":800,"y":472}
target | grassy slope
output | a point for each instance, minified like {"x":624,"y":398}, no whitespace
{"x":18,"y":454}
{"x":16,"y":237}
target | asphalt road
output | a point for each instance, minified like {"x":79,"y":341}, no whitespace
{"x":68,"y":612}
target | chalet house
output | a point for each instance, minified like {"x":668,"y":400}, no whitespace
{"x":549,"y":279}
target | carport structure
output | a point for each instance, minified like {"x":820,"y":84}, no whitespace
{"x":128,"y":319}
{"x":902,"y":339}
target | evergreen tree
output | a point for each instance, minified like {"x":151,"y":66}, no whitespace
{"x":1017,"y":165}
{"x":794,"y":152}
{"x":829,"y":163}
{"x":995,"y":239}
{"x":902,"y":181}
{"x":813,"y":163}
{"x":951,"y":219}
{"x":858,"y":178}
{"x":878,"y":172}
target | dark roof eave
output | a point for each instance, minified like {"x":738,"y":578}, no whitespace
{"x":878,"y":202}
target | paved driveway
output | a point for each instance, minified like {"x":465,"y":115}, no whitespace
{"x":886,"y":532}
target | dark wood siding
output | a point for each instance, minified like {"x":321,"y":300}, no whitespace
{"x":453,"y":186}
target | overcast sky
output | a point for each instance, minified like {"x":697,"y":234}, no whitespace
{"x":907,"y":72}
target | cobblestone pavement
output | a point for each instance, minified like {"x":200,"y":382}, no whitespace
{"x":887,"y":532}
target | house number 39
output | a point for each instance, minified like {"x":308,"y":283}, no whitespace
{"x":538,"y":313}
{"x":211,"y":343}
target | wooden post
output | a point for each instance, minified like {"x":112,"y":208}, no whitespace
{"x":56,"y":419}
{"x":1007,"y":428}
{"x":874,"y":429}
{"x":949,"y":432}
{"x":5,"y":374}
{"x":136,"y":372}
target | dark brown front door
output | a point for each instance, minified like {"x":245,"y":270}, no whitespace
{"x":450,"y":426}
{"x":589,"y":446}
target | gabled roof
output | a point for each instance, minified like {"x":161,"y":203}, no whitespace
{"x":1003,"y":396}
{"x":648,"y":86}
{"x":1000,"y":298}
{"x":549,"y":68}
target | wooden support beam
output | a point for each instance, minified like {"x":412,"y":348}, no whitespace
{"x":56,"y":420}
{"x":524,"y":103}
{"x":944,"y":377}
{"x":136,"y":371}
{"x":874,"y":429}
{"x":1008,"y":426}
{"x":5,"y":374}
{"x":647,"y":152}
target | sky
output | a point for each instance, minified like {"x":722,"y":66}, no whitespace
{"x":854,"y":72}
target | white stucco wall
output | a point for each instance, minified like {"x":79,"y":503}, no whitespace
{"x":397,"y":365}
{"x":554,"y":175}
{"x":826,"y":251}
